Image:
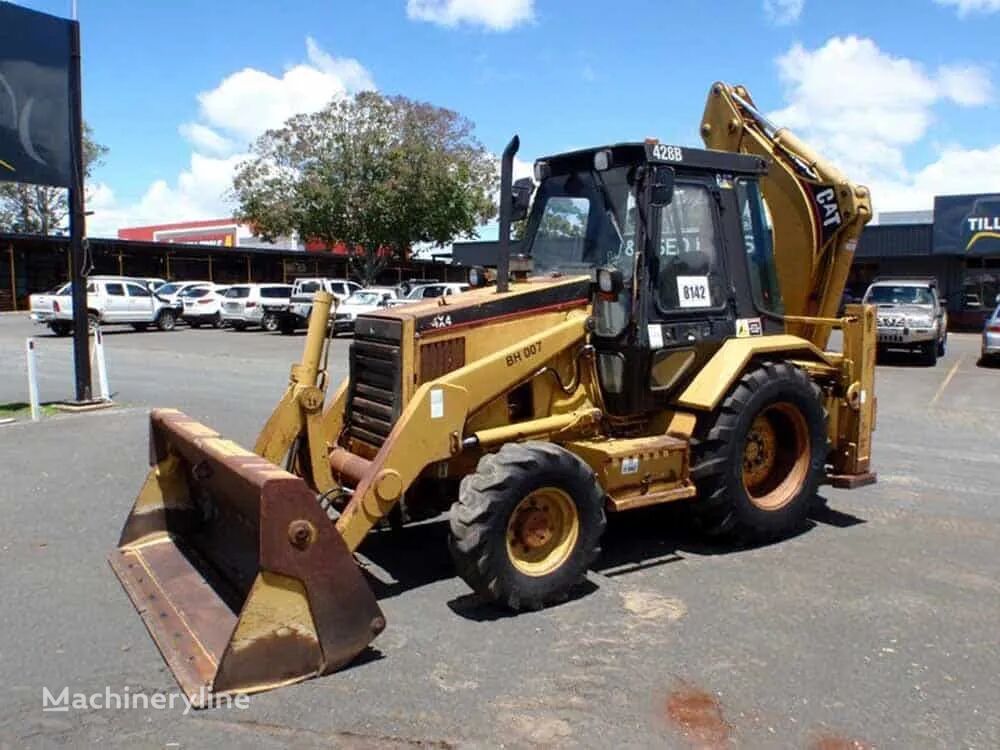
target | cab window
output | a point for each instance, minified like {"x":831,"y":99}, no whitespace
{"x":689,"y":274}
{"x":758,"y":242}
{"x":134,"y":290}
{"x":115,"y":290}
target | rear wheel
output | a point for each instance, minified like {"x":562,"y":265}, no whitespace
{"x":217,"y":321}
{"x":269,"y":322}
{"x":760,"y":459}
{"x":527,"y":525}
{"x":166,"y":320}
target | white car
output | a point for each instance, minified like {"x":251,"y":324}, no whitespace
{"x":300,"y":306}
{"x":110,"y":300}
{"x":361,"y":302}
{"x":261,"y":305}
{"x":172,"y":290}
{"x":432,"y":291}
{"x":203,"y":305}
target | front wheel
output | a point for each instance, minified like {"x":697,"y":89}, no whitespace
{"x":942,"y":347}
{"x":527,"y":525}
{"x":759,"y":459}
{"x":166,"y":320}
{"x":929,"y":353}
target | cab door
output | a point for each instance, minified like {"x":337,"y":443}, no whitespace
{"x":116,"y":304}
{"x":140,"y":304}
{"x":690,"y":305}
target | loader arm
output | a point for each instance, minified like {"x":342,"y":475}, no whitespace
{"x":817,"y":213}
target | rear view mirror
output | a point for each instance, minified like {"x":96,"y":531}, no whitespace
{"x":663,"y":186}
{"x":521,"y":198}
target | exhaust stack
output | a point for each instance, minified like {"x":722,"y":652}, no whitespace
{"x":506,"y":209}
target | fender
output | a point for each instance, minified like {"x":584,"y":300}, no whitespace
{"x":715,"y":379}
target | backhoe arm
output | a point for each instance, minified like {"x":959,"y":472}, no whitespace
{"x":816,"y":212}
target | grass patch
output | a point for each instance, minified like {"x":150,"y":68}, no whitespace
{"x":19,"y":410}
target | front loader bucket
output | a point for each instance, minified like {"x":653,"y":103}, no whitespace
{"x":240,"y":576}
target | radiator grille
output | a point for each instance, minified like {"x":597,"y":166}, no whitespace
{"x":375,"y":391}
{"x":440,"y":357}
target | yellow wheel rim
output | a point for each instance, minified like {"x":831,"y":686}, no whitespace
{"x":776,"y":456}
{"x":542,"y":531}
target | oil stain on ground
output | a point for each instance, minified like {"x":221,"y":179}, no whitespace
{"x":697,"y":715}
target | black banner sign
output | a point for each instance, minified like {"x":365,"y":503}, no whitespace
{"x":967,"y":225}
{"x":35,"y":97}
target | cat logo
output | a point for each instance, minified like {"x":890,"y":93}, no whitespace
{"x":746,"y":327}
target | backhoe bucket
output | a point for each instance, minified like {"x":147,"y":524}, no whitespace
{"x":240,"y":576}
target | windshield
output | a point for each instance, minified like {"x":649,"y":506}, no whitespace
{"x":308,"y":286}
{"x":168,"y":288}
{"x":238,"y":292}
{"x":900,"y":295}
{"x":578,"y":225}
{"x":275,"y":292}
{"x":364,"y":298}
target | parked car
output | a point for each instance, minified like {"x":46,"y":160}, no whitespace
{"x":991,"y":338}
{"x":432,"y":291}
{"x":261,"y":305}
{"x":363,"y":301}
{"x":203,"y":305}
{"x":910,"y":315}
{"x":172,"y":290}
{"x":110,"y":300}
{"x":300,"y":306}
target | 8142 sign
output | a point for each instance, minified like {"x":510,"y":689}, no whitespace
{"x":693,"y":291}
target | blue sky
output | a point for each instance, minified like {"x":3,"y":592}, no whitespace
{"x":903,"y":95}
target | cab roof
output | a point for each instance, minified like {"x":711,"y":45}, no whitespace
{"x":681,"y":157}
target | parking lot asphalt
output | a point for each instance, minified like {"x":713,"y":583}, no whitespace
{"x":877,"y":626}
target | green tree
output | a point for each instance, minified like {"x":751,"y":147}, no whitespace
{"x":39,"y":209}
{"x":375,"y":172}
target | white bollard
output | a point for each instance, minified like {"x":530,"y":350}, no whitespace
{"x":29,"y":350}
{"x":102,"y":366}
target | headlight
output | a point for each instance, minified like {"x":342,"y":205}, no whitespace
{"x":924,"y":322}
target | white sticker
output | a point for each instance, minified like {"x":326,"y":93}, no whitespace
{"x":864,"y":396}
{"x":630,"y":465}
{"x":655,"y":336}
{"x":437,"y":403}
{"x":746,"y":327}
{"x":693,"y":291}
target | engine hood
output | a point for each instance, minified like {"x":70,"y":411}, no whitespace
{"x":476,"y":306}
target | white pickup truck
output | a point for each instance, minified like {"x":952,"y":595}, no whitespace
{"x":111,"y":300}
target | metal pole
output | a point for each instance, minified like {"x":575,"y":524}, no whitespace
{"x":13,"y":276}
{"x":102,"y":366}
{"x":29,"y":351}
{"x":77,"y":225}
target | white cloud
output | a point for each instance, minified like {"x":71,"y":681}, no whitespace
{"x":867,"y":127}
{"x":205,"y":139}
{"x":967,"y":7}
{"x":783,"y":12}
{"x":231,"y":115}
{"x":496,"y":15}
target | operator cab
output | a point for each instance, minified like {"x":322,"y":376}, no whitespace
{"x":682,"y":244}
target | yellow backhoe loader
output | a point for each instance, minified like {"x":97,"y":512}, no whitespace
{"x":659,"y":335}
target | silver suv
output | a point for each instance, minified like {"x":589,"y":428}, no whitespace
{"x":910,"y":315}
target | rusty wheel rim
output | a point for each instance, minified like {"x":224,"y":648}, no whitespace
{"x":542,"y":531}
{"x":776,"y":456}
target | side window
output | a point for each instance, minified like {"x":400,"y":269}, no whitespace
{"x":134,"y":290}
{"x":114,"y":290}
{"x":758,"y":241}
{"x":689,"y":274}
{"x":91,"y":288}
